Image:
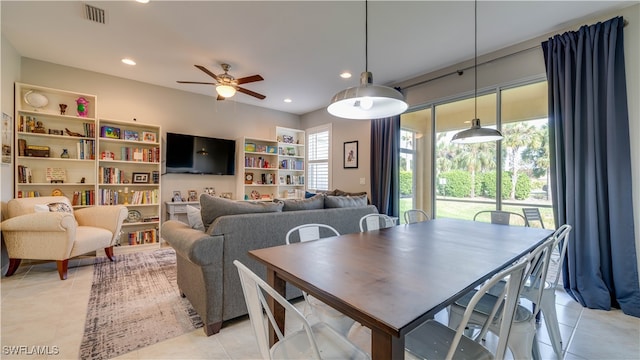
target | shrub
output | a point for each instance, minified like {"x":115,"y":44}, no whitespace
{"x":523,"y":187}
{"x":406,"y":183}
{"x":458,"y":183}
{"x":489,"y":184}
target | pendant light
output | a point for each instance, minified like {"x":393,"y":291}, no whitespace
{"x":476,"y":134}
{"x":367,"y":101}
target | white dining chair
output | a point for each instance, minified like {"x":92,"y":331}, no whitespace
{"x":415,"y":215}
{"x":376,"y":222}
{"x":433,"y":340}
{"x":313,"y":306}
{"x":522,"y":336}
{"x":317,"y":341}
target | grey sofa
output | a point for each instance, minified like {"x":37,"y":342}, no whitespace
{"x":205,"y":271}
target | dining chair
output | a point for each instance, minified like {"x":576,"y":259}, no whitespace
{"x":317,"y":341}
{"x":500,"y":217}
{"x":433,"y":340}
{"x":313,"y":306}
{"x":415,"y":215}
{"x":376,"y":222}
{"x":522,"y":337}
{"x":532,"y":214}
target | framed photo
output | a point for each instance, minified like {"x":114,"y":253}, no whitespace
{"x":7,"y":138}
{"x":351,"y":155}
{"x":148,"y":136}
{"x":140,"y":178}
{"x":177,"y":196}
{"x":193,"y":195}
{"x":110,"y":132}
{"x":131,"y":135}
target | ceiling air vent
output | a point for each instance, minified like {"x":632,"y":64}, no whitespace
{"x":94,"y":14}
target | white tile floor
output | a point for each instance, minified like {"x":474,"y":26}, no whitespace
{"x":39,"y":309}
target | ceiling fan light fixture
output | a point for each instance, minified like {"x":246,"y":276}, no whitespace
{"x":367,"y":101}
{"x":226,"y":91}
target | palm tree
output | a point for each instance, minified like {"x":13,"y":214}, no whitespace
{"x":517,"y":136}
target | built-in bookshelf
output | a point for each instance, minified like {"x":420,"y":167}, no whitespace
{"x":55,"y":144}
{"x":257,"y":164}
{"x":291,"y":162}
{"x":129,"y":157}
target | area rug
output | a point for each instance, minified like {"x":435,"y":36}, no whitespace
{"x":134,"y":303}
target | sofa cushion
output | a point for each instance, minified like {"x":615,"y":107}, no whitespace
{"x":213,"y":207}
{"x":345,"y":201}
{"x":338,"y":192}
{"x":315,"y":202}
{"x":195,"y":218}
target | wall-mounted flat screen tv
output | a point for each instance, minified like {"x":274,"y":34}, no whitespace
{"x":200,"y":155}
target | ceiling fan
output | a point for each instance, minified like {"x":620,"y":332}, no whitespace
{"x":227,"y":85}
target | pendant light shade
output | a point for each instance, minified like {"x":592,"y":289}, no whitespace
{"x":367,"y":101}
{"x":476,"y":134}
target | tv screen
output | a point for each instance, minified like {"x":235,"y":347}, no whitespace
{"x":200,"y":155}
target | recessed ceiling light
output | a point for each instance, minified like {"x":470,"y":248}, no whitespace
{"x":287,"y":100}
{"x":142,"y":1}
{"x":345,"y":75}
{"x":128,"y":61}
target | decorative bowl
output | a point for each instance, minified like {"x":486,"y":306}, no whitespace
{"x":35,"y":99}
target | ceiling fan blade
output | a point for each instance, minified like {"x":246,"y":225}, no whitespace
{"x":252,"y":93}
{"x":195,"y":82}
{"x":249,"y":79}
{"x":208,"y":72}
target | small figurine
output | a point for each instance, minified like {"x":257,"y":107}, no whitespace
{"x":82,"y":106}
{"x":63,"y":108}
{"x":71,"y":133}
{"x":65,"y":155}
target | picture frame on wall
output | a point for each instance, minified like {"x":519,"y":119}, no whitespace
{"x":351,"y":155}
{"x":7,"y":138}
{"x":193,"y":195}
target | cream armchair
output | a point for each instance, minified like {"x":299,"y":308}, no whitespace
{"x":58,"y":236}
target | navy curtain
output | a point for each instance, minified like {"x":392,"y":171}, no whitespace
{"x":591,"y":165}
{"x":385,"y":152}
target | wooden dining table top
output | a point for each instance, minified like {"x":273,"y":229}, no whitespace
{"x":392,"y":280}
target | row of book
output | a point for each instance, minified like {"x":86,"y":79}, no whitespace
{"x":110,"y":175}
{"x":86,"y":149}
{"x":84,"y":197}
{"x":142,"y":197}
{"x":24,"y":175}
{"x":110,"y":197}
{"x":292,"y":179}
{"x":289,"y":164}
{"x":140,"y":154}
{"x":27,"y":194}
{"x":140,"y":237}
{"x":259,"y":162}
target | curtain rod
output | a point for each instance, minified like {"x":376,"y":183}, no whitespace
{"x":461,"y":71}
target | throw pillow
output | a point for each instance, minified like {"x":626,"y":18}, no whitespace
{"x":316,"y":202}
{"x":195,"y":218}
{"x":60,"y":207}
{"x":40,"y":208}
{"x":338,"y":192}
{"x":308,"y":194}
{"x":345,"y":201}
{"x":213,"y":207}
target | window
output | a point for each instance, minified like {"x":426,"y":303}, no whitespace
{"x":318,"y":157}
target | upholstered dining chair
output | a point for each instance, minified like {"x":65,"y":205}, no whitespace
{"x":317,"y":341}
{"x":434,"y":340}
{"x":48,"y":228}
{"x":522,"y":335}
{"x":500,"y":217}
{"x":324,"y":312}
{"x":415,"y":215}
{"x":375,"y":222}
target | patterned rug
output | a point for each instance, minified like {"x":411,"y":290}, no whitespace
{"x":134,"y":303}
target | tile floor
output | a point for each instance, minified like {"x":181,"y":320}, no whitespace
{"x":38,"y":309}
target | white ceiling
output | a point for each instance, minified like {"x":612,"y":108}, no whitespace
{"x":299,"y":47}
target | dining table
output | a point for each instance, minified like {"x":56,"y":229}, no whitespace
{"x":394,"y":279}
